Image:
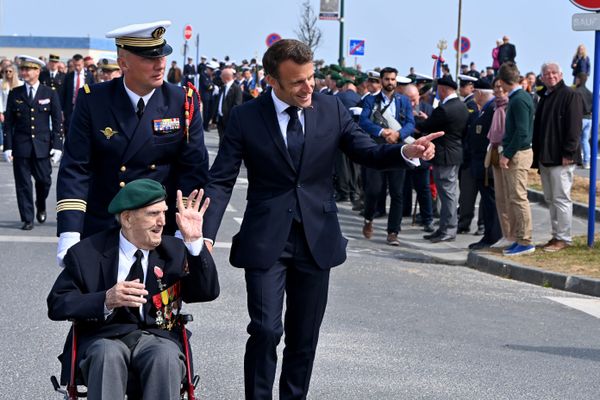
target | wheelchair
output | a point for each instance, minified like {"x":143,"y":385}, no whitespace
{"x":71,"y":391}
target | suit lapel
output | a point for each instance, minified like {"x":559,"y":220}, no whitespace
{"x":109,"y":262}
{"x":122,"y":109}
{"x":269,"y":116}
{"x":156,"y":107}
{"x":310,"y":130}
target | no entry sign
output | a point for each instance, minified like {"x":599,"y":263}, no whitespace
{"x":187,"y":32}
{"x":590,"y":5}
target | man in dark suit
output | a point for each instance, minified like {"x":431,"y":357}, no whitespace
{"x":32,"y":133}
{"x":189,"y":72}
{"x":51,"y":76}
{"x":450,"y":116}
{"x":115,"y":285}
{"x":75,"y":80}
{"x":507,"y":51}
{"x":206,"y":87}
{"x":229,"y":97}
{"x":482,"y":176}
{"x":129,"y":128}
{"x":290,"y":236}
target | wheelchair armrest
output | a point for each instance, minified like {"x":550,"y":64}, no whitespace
{"x":185,"y":318}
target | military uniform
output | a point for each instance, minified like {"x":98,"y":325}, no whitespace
{"x":32,"y":130}
{"x":55,"y":82}
{"x":109,"y":145}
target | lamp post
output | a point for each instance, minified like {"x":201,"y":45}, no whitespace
{"x":459,"y":41}
{"x":341,"y":55}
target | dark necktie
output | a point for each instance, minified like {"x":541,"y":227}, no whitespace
{"x":136,"y":272}
{"x":140,"y":108}
{"x":30,"y":94}
{"x":295,"y":136}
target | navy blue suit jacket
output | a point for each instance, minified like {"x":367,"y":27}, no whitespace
{"x":275,"y":187}
{"x":27,"y":128}
{"x":67,"y":91}
{"x":108,"y":147}
{"x":403,"y":115}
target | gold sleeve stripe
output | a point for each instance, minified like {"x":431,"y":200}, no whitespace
{"x":71,"y":204}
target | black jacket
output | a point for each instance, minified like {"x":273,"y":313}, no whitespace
{"x":557,"y":127}
{"x":452,"y":119}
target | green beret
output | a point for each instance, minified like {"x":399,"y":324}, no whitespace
{"x":350,"y":71}
{"x":335,"y":76}
{"x":340,"y":83}
{"x":336,"y":68}
{"x":137,"y":194}
{"x":319,"y":75}
{"x":360,"y":79}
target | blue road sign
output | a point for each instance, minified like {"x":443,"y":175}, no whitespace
{"x":272,"y":38}
{"x":356,"y":47}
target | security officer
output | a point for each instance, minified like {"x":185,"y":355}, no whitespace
{"x":109,"y":69}
{"x":137,"y":126}
{"x":32,"y":134}
{"x":51,"y":76}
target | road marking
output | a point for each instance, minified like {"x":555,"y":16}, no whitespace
{"x":221,"y":245}
{"x":238,"y":220}
{"x":231,"y":208}
{"x":29,"y":239}
{"x":588,"y":306}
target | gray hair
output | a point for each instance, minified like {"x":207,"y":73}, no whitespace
{"x":549,"y":64}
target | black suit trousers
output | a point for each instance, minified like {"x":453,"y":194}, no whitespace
{"x":41,"y":170}
{"x":305,"y":286}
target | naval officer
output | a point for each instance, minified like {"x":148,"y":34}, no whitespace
{"x":137,"y":126}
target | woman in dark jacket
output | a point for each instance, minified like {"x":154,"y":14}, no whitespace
{"x":581,"y":62}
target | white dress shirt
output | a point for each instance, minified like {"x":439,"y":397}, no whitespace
{"x":134,"y":98}
{"x":283,"y":117}
{"x":35,"y":88}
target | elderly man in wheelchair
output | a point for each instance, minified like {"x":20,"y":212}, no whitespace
{"x":124,"y":288}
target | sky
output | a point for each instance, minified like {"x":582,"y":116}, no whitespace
{"x":398,"y":33}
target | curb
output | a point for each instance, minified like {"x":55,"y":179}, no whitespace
{"x":579,"y":209}
{"x":496,"y":266}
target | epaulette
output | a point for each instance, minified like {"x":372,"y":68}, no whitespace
{"x":86,"y":88}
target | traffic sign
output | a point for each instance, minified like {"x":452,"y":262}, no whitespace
{"x":586,"y":22}
{"x":272,"y":38}
{"x":187,"y":32}
{"x":465,"y":44}
{"x":589,"y":5}
{"x":356,"y":47}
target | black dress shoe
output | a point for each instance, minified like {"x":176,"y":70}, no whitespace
{"x":479,"y":245}
{"x":443,"y":238}
{"x":480,"y":231}
{"x":27,"y":226}
{"x":41,"y":216}
{"x":429,"y":228}
{"x":460,"y":231}
{"x":432,"y":235}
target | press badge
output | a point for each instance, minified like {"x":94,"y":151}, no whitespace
{"x":166,"y":125}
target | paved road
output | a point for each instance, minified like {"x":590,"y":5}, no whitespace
{"x":394,"y":329}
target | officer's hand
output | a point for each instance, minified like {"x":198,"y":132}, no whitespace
{"x":504,"y":162}
{"x":56,"y":154}
{"x":209,"y":246}
{"x":393,"y":137}
{"x":126,"y":294}
{"x":8,"y":156}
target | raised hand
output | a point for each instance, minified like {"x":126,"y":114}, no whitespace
{"x":190,"y":217}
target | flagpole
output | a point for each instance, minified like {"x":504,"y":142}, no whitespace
{"x":459,"y":41}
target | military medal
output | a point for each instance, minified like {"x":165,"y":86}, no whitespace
{"x":160,"y":321}
{"x":108,"y":132}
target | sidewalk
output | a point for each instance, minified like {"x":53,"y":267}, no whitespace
{"x":415,"y":248}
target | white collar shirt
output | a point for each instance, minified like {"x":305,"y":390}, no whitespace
{"x":134,"y":98}
{"x":283,"y":117}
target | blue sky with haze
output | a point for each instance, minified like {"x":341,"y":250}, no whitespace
{"x":398,"y":33}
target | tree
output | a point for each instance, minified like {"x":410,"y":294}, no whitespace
{"x":308,"y":31}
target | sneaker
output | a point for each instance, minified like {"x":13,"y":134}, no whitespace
{"x":519,"y":250}
{"x":501,"y":244}
{"x":558,"y":245}
{"x":392,"y":239}
{"x":510,"y":248}
{"x":367,"y":229}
